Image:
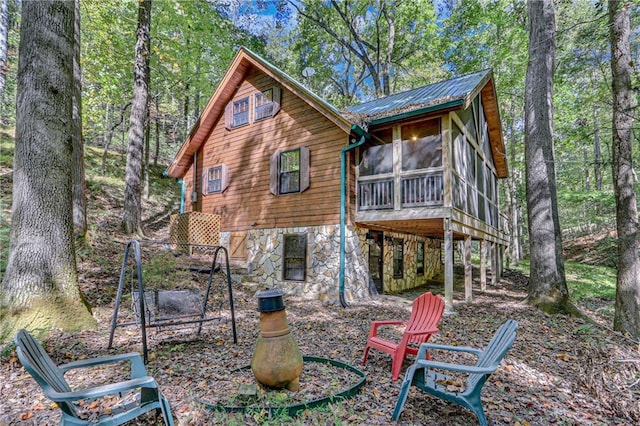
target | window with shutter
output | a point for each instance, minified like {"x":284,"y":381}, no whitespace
{"x":241,"y":112}
{"x":263,"y":105}
{"x":215,"y":179}
{"x":290,"y":171}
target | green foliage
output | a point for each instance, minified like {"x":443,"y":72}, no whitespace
{"x":585,"y":281}
{"x":350,"y":44}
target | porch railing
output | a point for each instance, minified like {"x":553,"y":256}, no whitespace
{"x":416,"y":190}
{"x":375,"y":194}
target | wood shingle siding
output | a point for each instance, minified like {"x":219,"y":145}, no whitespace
{"x":246,"y":152}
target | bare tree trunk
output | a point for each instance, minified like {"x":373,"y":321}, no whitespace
{"x":157,"y":144}
{"x":597,"y":152}
{"x":547,"y":283}
{"x":147,"y":136}
{"x":587,"y":177}
{"x":514,"y":251}
{"x":132,"y":214}
{"x":627,"y":314}
{"x":40,"y":287}
{"x":79,"y":195}
{"x":4,"y":45}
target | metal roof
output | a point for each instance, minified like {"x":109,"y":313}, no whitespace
{"x":432,"y":95}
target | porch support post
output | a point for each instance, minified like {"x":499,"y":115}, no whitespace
{"x":494,"y":264}
{"x":448,"y":265}
{"x":483,"y":265}
{"x":500,"y":255}
{"x":468,"y":271}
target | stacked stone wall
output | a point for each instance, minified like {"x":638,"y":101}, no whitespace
{"x":265,"y":263}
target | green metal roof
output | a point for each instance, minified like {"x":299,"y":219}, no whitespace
{"x":441,"y":95}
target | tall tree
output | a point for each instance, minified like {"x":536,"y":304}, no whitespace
{"x":4,"y":44}
{"x":627,"y":313}
{"x":40,"y":287}
{"x":132,"y":214}
{"x":79,"y":196}
{"x":388,"y":38}
{"x":547,"y":283}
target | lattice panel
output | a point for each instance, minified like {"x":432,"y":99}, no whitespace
{"x":195,"y":228}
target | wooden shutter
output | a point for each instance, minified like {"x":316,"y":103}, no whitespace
{"x":205,"y":181}
{"x":228,"y":116}
{"x":304,"y":168}
{"x":225,"y":178}
{"x":274,"y":180}
{"x":277,"y":96}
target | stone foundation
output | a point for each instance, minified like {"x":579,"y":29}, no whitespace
{"x":265,"y":263}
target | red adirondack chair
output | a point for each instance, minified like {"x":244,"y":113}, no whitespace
{"x":425,"y":315}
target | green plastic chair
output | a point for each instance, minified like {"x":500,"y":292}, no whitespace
{"x":51,"y":379}
{"x":423,"y":373}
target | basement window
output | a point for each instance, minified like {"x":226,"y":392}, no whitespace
{"x":398,"y":258}
{"x":420,"y":259}
{"x":295,"y":257}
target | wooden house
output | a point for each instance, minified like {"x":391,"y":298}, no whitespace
{"x":337,"y":204}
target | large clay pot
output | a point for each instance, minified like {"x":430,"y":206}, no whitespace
{"x":277,"y":361}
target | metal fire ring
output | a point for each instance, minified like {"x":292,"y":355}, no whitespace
{"x":292,"y":410}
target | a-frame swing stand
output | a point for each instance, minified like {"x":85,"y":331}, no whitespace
{"x":148,"y":308}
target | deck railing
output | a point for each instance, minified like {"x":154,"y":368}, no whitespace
{"x":416,"y":190}
{"x":419,"y":191}
{"x":375,"y":194}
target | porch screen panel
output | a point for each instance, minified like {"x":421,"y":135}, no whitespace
{"x":377,"y":160}
{"x":421,"y":145}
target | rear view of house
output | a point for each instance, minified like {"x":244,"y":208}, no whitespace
{"x":336,"y":204}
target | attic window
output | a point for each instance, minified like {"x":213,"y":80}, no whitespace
{"x":241,"y":112}
{"x":215,"y":179}
{"x":264,"y":104}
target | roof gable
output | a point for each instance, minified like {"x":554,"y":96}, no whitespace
{"x":455,"y":93}
{"x":243,"y":62}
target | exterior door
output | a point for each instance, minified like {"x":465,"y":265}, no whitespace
{"x":376,"y":259}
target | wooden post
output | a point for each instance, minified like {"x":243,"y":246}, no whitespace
{"x":448,"y":265}
{"x":494,"y":263}
{"x":468,"y":270}
{"x":483,"y":265}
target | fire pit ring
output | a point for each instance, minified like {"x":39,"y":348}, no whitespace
{"x":293,"y":409}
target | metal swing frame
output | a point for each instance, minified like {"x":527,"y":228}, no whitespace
{"x":141,"y":318}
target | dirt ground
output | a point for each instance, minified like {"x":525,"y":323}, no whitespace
{"x":560,"y":370}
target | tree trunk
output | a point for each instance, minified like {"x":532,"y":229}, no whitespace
{"x":40,"y":287}
{"x":547,"y":284}
{"x":156,"y":151}
{"x":79,"y":195}
{"x":511,"y":193}
{"x":627,"y":314}
{"x":147,"y":137}
{"x":587,"y":177}
{"x":132,"y":214}
{"x":4,"y":45}
{"x":597,"y":151}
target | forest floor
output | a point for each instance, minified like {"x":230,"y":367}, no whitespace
{"x":560,"y":370}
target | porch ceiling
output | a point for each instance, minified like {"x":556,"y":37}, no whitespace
{"x":433,"y":228}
